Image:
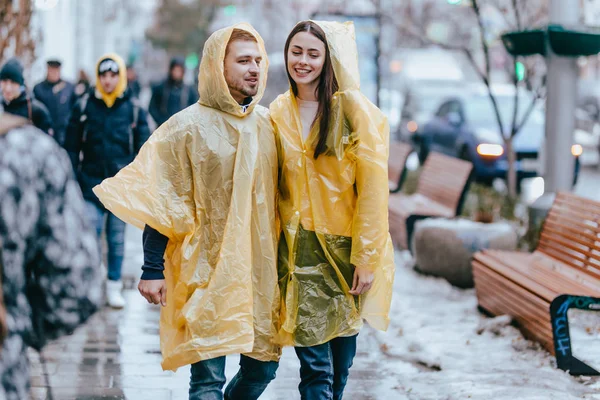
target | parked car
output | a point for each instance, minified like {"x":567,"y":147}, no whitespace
{"x":465,"y":126}
{"x":421,"y":100}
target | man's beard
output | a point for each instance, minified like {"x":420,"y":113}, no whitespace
{"x":246,"y":91}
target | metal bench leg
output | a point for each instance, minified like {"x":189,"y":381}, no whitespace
{"x":410,"y":228}
{"x":560,"y":330}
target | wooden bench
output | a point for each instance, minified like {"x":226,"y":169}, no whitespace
{"x":399,"y":153}
{"x":526,"y":285}
{"x":441,"y":190}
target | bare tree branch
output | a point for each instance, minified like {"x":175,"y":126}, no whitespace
{"x":486,"y":75}
{"x":528,"y":111}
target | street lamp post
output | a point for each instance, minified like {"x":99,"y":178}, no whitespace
{"x":560,"y":105}
{"x":561,"y":100}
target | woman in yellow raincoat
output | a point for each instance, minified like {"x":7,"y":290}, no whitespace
{"x":335,"y":263}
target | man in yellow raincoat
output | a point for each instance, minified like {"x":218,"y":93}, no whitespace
{"x":204,"y":187}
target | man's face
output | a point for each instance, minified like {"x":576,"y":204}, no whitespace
{"x":242,"y":69}
{"x":53,"y":74}
{"x":109,"y":81}
{"x":10,"y":90}
{"x":177,"y":73}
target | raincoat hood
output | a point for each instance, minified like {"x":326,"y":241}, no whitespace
{"x":110,"y":98}
{"x":207,"y":180}
{"x":212,"y":85}
{"x":341,"y":41}
{"x":333,"y":209}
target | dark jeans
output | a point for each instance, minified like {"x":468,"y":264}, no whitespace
{"x":324,"y":368}
{"x":208,"y":378}
{"x":115,"y":237}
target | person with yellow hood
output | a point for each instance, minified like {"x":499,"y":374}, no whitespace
{"x":335,"y":264}
{"x":203,"y":188}
{"x":106,"y":130}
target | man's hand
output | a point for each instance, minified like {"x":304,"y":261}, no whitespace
{"x":363,"y":280}
{"x":155,"y":291}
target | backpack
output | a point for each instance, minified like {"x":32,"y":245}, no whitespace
{"x":83,"y":118}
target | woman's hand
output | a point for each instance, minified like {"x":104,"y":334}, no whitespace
{"x":363,"y":280}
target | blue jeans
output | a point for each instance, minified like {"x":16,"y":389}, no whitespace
{"x":324,"y":368}
{"x":115,"y":238}
{"x":208,"y":378}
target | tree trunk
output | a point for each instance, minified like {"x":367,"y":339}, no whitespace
{"x":511,"y":174}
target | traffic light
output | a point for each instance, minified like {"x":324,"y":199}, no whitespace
{"x":191,"y":61}
{"x":519,"y":71}
{"x":229,"y":10}
{"x":454,"y":2}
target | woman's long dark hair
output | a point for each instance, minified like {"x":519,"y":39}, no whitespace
{"x":328,"y":84}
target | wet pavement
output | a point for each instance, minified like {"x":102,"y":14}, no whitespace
{"x":116,"y":354}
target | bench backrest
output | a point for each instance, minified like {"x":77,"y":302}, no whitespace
{"x":571,"y":233}
{"x":445,"y":179}
{"x":399,"y":153}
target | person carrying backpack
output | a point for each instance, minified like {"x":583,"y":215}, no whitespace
{"x":48,"y":252}
{"x":16,"y":100}
{"x":58,"y":95}
{"x":106,"y":130}
{"x":171,"y":95}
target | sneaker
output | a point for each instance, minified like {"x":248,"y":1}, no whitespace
{"x":114,"y":298}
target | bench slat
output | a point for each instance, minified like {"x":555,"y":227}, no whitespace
{"x":399,"y":153}
{"x":571,"y":200}
{"x":446,"y":174}
{"x":560,"y":228}
{"x":552,"y":269}
{"x":533,"y":324}
{"x":544,"y":270}
{"x":534,"y":308}
{"x":566,"y":258}
{"x":529,"y":311}
{"x":512,"y":274}
{"x":571,"y":246}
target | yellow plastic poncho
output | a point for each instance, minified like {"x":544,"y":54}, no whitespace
{"x":206,"y":179}
{"x":334,"y":209}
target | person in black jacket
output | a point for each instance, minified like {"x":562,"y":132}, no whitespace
{"x":15,"y":99}
{"x":58,"y":96}
{"x":132,"y":81}
{"x":172,"y":95}
{"x":83,"y":84}
{"x":106,"y":130}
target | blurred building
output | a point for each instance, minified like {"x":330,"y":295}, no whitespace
{"x":274,"y":19}
{"x":78,"y":32}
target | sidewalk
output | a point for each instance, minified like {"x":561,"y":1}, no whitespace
{"x":432,"y":351}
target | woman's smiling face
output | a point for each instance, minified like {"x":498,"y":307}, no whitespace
{"x":306,"y":57}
